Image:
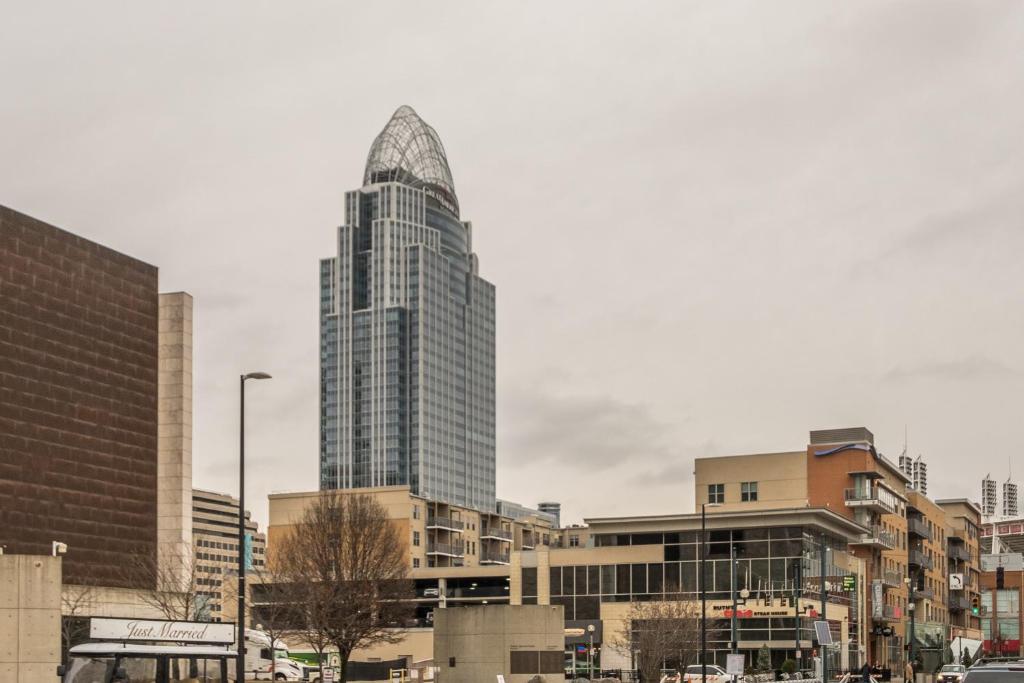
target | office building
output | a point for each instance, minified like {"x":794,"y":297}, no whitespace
{"x":657,"y":558}
{"x":215,"y":534}
{"x":553,"y":509}
{"x":79,"y":339}
{"x":407,"y":332}
{"x":1002,"y":580}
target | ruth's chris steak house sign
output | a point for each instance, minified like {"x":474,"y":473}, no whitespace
{"x":162,"y":631}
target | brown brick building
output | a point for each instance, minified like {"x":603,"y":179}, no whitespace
{"x":78,"y":400}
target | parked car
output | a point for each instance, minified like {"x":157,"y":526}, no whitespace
{"x":950,"y":673}
{"x":716,"y":674}
{"x":995,"y":672}
{"x":671,"y":677}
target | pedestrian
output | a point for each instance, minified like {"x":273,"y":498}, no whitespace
{"x":865,"y":673}
{"x":908,"y":672}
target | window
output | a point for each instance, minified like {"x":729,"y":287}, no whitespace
{"x":415,"y":511}
{"x":415,"y":563}
{"x":415,"y":539}
{"x":574,"y":541}
{"x":716,"y":493}
{"x":748,"y":491}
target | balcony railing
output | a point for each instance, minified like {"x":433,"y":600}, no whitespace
{"x":958,"y":603}
{"x":924,"y":594}
{"x":918,"y":558}
{"x":887,"y":613}
{"x":872,"y":498}
{"x":892,"y":579}
{"x":499,"y":534}
{"x":959,"y":552}
{"x":437,"y":522}
{"x":449,"y":549}
{"x":495,"y":558}
{"x":918,"y":527}
{"x":878,"y":537}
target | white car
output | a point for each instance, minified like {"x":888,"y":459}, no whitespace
{"x":716,"y":674}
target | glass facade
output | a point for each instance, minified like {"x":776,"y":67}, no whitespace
{"x":770,"y":562}
{"x":407,"y":333}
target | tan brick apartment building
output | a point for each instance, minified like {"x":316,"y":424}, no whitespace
{"x":842,"y":471}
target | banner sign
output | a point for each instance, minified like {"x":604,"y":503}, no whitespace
{"x":208,"y":633}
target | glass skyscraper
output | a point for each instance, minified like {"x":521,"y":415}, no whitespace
{"x":407,"y":332}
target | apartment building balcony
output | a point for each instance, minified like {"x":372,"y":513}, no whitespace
{"x":447,"y":523}
{"x":887,"y":613}
{"x":958,"y":552}
{"x":491,"y":557}
{"x":918,"y":527}
{"x":958,"y":603}
{"x":877,"y":538}
{"x":874,"y":499}
{"x":446,"y":549}
{"x":917,"y":558}
{"x":892,"y":579}
{"x":529,"y":543}
{"x":923,"y":594}
{"x":496,"y":534}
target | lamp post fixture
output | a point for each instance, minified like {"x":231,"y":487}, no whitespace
{"x":703,"y":590}
{"x":240,"y":661}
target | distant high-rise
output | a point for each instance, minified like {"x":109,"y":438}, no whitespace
{"x":917,"y":470}
{"x":407,"y":351}
{"x":988,"y":496}
{"x":1009,"y":499}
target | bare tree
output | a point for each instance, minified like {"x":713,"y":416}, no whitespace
{"x":661,"y":635}
{"x":275,"y":607}
{"x":347,"y":555}
{"x":77,"y":602}
{"x":176,"y":591}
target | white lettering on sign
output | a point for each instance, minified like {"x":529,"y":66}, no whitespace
{"x":162,"y":631}
{"x":440,"y":199}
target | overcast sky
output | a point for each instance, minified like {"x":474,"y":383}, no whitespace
{"x":712,"y":225}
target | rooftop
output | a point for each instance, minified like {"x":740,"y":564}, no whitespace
{"x":409,"y":151}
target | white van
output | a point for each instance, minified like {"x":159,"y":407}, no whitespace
{"x":258,"y":656}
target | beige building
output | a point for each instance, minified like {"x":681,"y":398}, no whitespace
{"x":457,"y":556}
{"x":215,"y":535}
{"x":777,"y":556}
{"x":908,"y":536}
{"x":963,"y":558}
{"x":518,"y":643}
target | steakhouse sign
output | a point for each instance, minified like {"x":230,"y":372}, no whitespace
{"x":162,"y":631}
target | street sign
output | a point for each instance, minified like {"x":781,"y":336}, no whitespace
{"x":328,"y":675}
{"x":823,"y":632}
{"x":734,"y":664}
{"x":850,"y":583}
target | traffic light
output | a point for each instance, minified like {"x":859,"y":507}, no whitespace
{"x":1000,"y":577}
{"x":975,"y":606}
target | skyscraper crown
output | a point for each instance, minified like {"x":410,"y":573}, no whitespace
{"x":410,"y":151}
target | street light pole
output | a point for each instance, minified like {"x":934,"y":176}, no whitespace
{"x":704,"y":591}
{"x":240,"y":661}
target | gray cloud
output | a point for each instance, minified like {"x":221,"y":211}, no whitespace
{"x":670,"y":198}
{"x":961,"y":370}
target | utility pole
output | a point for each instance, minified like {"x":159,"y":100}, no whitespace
{"x":797,"y":585}
{"x":824,"y":601}
{"x":735,"y":603}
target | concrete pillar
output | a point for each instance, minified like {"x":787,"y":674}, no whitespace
{"x":174,"y":439}
{"x":30,"y":588}
{"x":543,"y":577}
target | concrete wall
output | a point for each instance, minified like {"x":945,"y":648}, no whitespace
{"x":482,"y":639}
{"x":781,"y":480}
{"x":174,"y":439}
{"x":30,"y":588}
